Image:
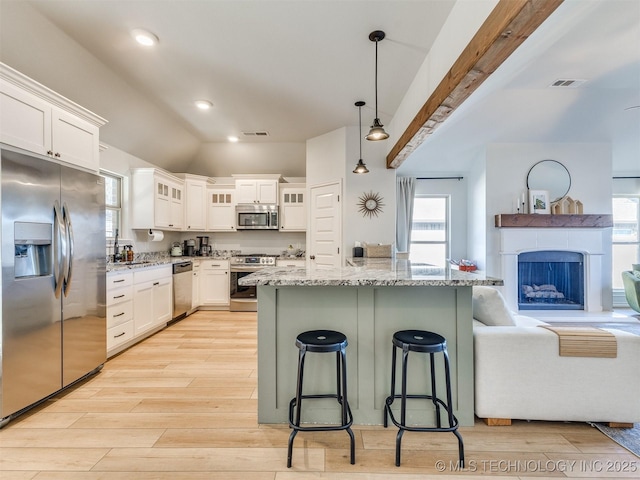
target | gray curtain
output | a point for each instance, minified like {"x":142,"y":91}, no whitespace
{"x":405,"y":191}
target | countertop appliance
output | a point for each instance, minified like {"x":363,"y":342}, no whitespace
{"x":241,"y":298}
{"x":189,"y":247}
{"x":53,"y":279}
{"x":204,"y":248}
{"x":256,"y":217}
{"x":176,"y":249}
{"x":182,"y":288}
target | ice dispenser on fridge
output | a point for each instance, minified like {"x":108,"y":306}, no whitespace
{"x":32,"y":243}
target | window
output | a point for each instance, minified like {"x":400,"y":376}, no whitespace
{"x":113,"y":203}
{"x":430,"y":230}
{"x":626,"y":239}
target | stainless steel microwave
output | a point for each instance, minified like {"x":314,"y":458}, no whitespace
{"x":257,"y":217}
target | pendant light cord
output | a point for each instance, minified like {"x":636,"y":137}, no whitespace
{"x":360,"y":128}
{"x":376,"y":79}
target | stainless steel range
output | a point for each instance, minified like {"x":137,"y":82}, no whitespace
{"x":244,"y":299}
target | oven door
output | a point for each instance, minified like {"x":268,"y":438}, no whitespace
{"x":242,"y":298}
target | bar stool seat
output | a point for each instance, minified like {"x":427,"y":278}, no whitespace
{"x":421,"y":341}
{"x":321,"y":341}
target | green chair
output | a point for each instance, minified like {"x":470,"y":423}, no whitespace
{"x":631,"y":282}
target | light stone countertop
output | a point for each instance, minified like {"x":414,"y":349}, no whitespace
{"x":370,"y":272}
{"x":156,"y":262}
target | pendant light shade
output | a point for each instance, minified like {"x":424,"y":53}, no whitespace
{"x":377,"y":129}
{"x":360,"y":166}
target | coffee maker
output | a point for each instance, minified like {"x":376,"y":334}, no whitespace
{"x":189,"y":247}
{"x":203,"y":246}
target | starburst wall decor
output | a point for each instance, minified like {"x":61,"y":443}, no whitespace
{"x":370,"y":204}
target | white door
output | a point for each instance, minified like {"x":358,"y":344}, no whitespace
{"x":325,"y":226}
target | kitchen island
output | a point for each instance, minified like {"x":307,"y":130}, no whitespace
{"x":367,"y":300}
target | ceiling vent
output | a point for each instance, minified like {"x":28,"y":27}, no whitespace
{"x":568,"y":82}
{"x":256,"y":134}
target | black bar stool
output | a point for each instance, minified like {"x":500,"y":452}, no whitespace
{"x":322,"y":341}
{"x":423,"y":342}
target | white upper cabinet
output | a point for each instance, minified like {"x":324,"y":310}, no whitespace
{"x":261,"y":189}
{"x":221,"y":208}
{"x":293,"y":207}
{"x":195,"y":205}
{"x":156,"y":200}
{"x":36,"y":119}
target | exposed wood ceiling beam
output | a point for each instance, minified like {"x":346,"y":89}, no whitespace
{"x":509,"y":24}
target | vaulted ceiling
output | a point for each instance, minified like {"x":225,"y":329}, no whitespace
{"x":294,"y":69}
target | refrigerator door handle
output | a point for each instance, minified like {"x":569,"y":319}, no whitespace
{"x":68,"y":272}
{"x":60,"y":249}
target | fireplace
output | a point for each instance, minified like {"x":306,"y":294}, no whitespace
{"x":551,"y":280}
{"x":589,"y":243}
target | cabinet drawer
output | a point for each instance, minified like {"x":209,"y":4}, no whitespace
{"x":291,"y":263}
{"x":214,"y":264}
{"x":119,"y":313}
{"x":119,"y":295}
{"x":152,"y":274}
{"x":119,"y":334}
{"x":117,"y":280}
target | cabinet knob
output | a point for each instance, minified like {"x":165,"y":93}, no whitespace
{"x":49,"y":152}
{"x":57,"y":155}
{"x":312,"y":257}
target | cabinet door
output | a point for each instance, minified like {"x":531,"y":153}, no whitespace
{"x":195,"y":206}
{"x":162,"y":205}
{"x":162,"y":300}
{"x":293,"y":210}
{"x":25,"y":120}
{"x":221,"y":211}
{"x":267,"y":191}
{"x":195,"y":291}
{"x":75,"y":141}
{"x":214,"y":285}
{"x":246,"y":191}
{"x":143,"y":311}
{"x":177,"y":207}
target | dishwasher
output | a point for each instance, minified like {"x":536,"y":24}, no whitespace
{"x":182,"y":288}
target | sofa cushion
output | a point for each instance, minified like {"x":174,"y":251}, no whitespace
{"x":490,"y":308}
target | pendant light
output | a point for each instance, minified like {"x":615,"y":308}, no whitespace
{"x":360,"y":166}
{"x":377,"y":131}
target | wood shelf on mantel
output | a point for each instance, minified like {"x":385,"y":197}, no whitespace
{"x":524,"y":220}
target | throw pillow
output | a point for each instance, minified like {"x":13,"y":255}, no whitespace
{"x":490,"y":308}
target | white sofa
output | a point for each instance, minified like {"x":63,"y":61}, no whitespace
{"x":520,"y":375}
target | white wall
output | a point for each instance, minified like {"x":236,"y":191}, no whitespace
{"x":463,"y":22}
{"x":476,"y":212}
{"x":457,"y":191}
{"x":33,"y":45}
{"x":331,"y":158}
{"x":225,"y":159}
{"x":379,"y":180}
{"x":506,"y":177}
{"x":326,"y":157}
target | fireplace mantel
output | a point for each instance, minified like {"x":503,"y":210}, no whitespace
{"x":524,"y":220}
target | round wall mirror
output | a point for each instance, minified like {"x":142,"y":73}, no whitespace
{"x":549,"y":175}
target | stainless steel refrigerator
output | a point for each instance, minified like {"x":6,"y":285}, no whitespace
{"x":53,"y":279}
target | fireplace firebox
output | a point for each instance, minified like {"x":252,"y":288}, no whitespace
{"x":551,"y":280}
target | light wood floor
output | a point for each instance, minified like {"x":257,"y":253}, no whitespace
{"x":182,"y":405}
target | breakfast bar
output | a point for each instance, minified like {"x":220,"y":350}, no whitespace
{"x":367,"y":300}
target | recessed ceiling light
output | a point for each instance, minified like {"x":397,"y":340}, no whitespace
{"x":232,"y":138}
{"x":203,"y":104}
{"x":143,"y":37}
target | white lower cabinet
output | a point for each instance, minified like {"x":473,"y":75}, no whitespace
{"x":138,"y":302}
{"x":119,"y":309}
{"x":152,"y":301}
{"x":214,"y":283}
{"x":195,"y":292}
